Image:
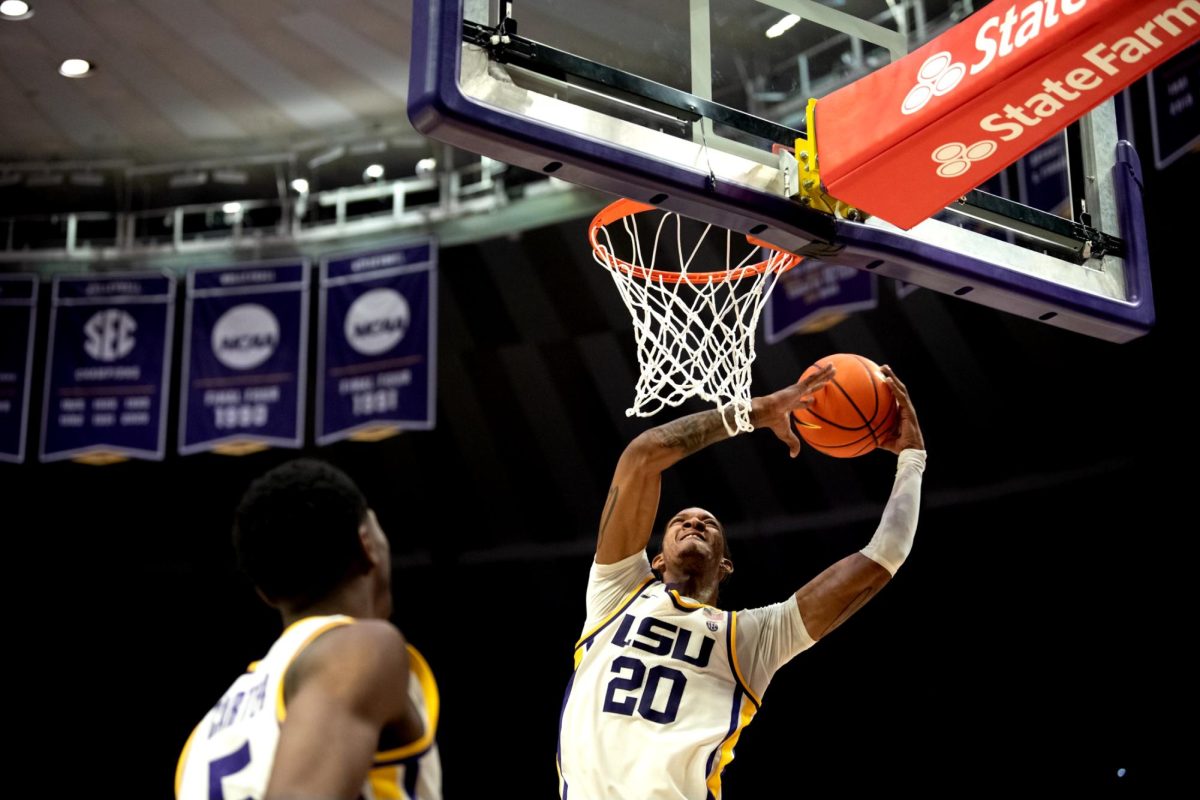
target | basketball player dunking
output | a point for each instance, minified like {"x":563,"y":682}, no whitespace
{"x":341,"y":706}
{"x":664,"y":682}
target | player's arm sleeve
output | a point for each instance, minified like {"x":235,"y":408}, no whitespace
{"x":893,"y":539}
{"x":609,"y":584}
{"x":767,"y":638}
{"x":842,"y":588}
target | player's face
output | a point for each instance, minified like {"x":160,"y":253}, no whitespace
{"x":693,"y":535}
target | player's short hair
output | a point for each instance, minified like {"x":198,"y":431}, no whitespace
{"x":296,"y":531}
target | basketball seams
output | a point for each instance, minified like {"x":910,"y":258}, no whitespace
{"x":854,"y":405}
{"x":851,"y":401}
{"x":862,"y":362}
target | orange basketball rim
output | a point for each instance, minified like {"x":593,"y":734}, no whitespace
{"x":777,"y":260}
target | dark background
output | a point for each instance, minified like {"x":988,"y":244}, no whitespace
{"x":1035,"y":640}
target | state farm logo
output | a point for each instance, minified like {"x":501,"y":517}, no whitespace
{"x":939,"y":74}
{"x":245,"y":336}
{"x":108,"y":334}
{"x":376,"y":321}
{"x":955,"y":158}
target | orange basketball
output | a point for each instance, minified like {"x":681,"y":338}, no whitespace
{"x":852,"y":413}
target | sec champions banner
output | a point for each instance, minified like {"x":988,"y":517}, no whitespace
{"x":18,"y":320}
{"x":244,"y":357}
{"x":377,"y":353}
{"x":107,"y":367}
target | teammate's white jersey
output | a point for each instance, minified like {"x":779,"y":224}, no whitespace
{"x":230,"y":753}
{"x":663,"y":687}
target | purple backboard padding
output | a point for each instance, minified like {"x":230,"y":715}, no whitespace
{"x":438,"y":108}
{"x":1127,"y":180}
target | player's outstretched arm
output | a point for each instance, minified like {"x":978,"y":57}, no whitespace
{"x":341,"y":692}
{"x":829,"y":599}
{"x":628,"y":518}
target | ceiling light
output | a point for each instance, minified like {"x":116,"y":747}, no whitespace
{"x":426,"y":167}
{"x":300,"y":185}
{"x":186,"y":180}
{"x":362,"y":148}
{"x":232,"y":208}
{"x":373,"y":172}
{"x":784,"y":25}
{"x":15,"y":10}
{"x":234,"y":176}
{"x":332,"y":154}
{"x":75,"y":67}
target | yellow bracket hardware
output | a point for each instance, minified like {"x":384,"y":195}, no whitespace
{"x":810,"y":191}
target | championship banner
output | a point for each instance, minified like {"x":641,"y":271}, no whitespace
{"x":107,"y":367}
{"x":972,"y":101}
{"x":18,"y":321}
{"x":1042,"y":180}
{"x":1175,"y":107}
{"x":377,"y":356}
{"x":813,"y":296}
{"x":244,"y":357}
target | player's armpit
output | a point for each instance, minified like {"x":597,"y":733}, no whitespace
{"x":341,"y":692}
{"x":829,"y":599}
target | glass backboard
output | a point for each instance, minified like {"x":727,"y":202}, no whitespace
{"x":695,"y":106}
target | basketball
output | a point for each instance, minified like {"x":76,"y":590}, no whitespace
{"x":852,"y":413}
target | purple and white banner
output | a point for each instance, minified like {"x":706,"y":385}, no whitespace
{"x":1042,"y":178}
{"x":18,"y":321}
{"x":1175,"y":107}
{"x":244,"y":357}
{"x":814,"y":295}
{"x":107,"y":367}
{"x":377,"y":356}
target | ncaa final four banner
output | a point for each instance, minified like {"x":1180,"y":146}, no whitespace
{"x":377,"y":351}
{"x":244,"y":358}
{"x":18,"y":321}
{"x":965,"y":105}
{"x":107,"y":367}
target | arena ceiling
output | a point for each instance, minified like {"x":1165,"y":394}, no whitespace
{"x":178,"y":80}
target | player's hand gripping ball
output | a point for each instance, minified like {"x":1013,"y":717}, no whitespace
{"x":851,"y":414}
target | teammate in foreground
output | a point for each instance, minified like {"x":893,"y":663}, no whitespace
{"x":341,"y":706}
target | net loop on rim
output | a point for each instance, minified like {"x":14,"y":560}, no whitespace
{"x":694,"y":331}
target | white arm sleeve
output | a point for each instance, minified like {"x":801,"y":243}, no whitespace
{"x":609,"y":584}
{"x":768,"y":638}
{"x":894,"y":537}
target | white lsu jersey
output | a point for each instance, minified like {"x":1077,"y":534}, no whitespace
{"x":663,"y":686}
{"x":230,"y":753}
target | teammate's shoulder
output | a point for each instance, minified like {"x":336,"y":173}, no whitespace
{"x":370,"y":633}
{"x":363,"y":642}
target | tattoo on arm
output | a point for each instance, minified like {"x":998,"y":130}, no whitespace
{"x":693,"y":432}
{"x":609,"y":506}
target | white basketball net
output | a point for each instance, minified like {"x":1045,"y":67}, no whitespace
{"x":695,"y":335}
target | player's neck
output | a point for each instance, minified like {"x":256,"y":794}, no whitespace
{"x":351,"y":599}
{"x":698,"y":587}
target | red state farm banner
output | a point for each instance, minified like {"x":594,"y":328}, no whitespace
{"x":907,"y":140}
